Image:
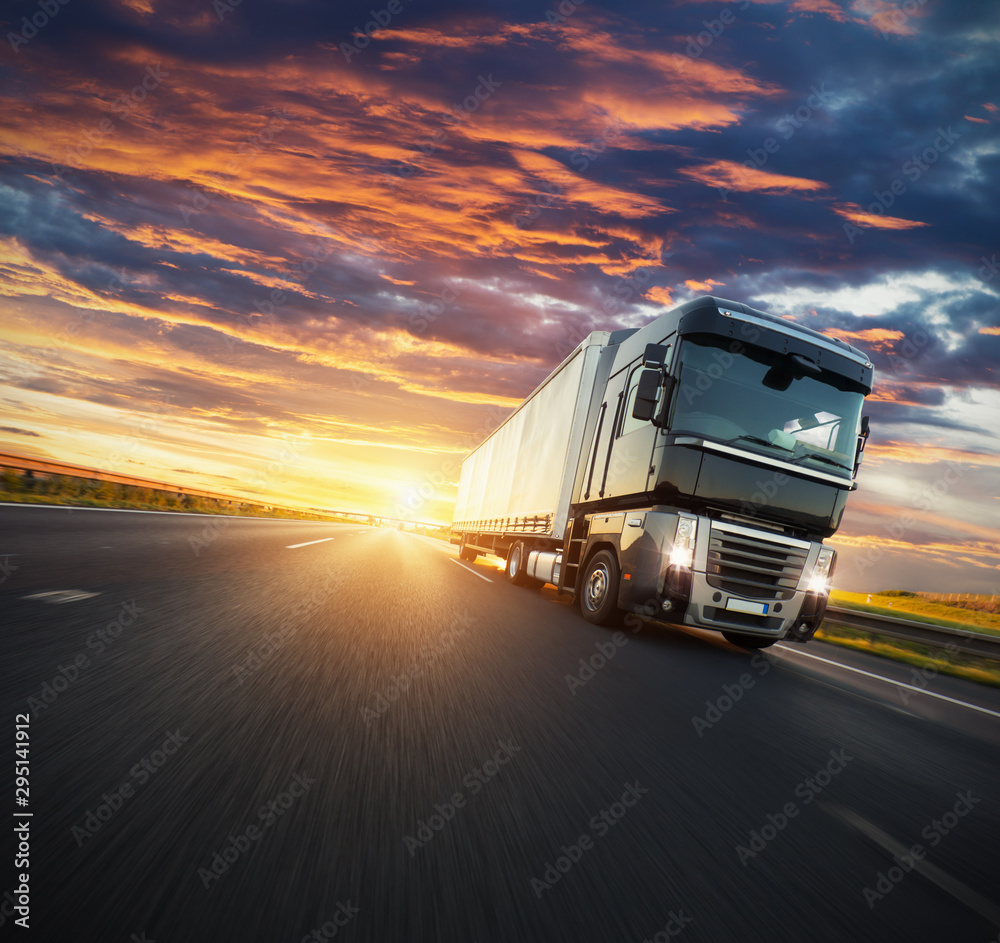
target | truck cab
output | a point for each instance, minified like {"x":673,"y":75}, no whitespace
{"x":688,"y":470}
{"x":734,"y":442}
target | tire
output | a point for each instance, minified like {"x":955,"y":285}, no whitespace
{"x":752,"y":642}
{"x":465,"y":553}
{"x":517,"y":561}
{"x":599,"y":589}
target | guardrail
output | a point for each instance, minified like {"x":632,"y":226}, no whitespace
{"x":45,"y":466}
{"x":940,"y":636}
{"x":39,"y":469}
{"x":32,"y":467}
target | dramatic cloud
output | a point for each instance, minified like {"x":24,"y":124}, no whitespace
{"x":228,"y":228}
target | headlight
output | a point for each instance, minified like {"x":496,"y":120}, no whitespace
{"x":819,"y":582}
{"x":682,"y":553}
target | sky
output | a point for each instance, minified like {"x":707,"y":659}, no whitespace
{"x":315,"y":255}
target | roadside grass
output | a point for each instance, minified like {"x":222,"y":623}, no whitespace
{"x":928,"y":660}
{"x":186,"y":505}
{"x":917,"y":609}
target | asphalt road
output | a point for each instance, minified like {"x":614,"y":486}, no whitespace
{"x":361,"y":739}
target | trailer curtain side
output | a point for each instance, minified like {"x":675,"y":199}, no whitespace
{"x":521,"y":470}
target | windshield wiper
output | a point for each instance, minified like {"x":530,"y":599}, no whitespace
{"x":758,"y":440}
{"x":820,"y":458}
{"x":798,"y":460}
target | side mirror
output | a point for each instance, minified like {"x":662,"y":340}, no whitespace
{"x":653,"y":387}
{"x":646,"y":394}
{"x":862,"y":439}
{"x":655,"y":356}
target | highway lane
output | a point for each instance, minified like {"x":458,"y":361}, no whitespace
{"x":360,"y":731}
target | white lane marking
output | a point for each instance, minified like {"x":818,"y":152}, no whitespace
{"x":472,"y":571}
{"x":448,"y":550}
{"x":899,"y":684}
{"x":62,"y":595}
{"x":933,"y":873}
{"x":308,"y":543}
{"x":447,"y":547}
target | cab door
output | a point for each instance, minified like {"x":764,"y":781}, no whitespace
{"x":600,"y":456}
{"x":631,"y":444}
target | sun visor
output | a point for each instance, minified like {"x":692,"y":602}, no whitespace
{"x":782,"y":337}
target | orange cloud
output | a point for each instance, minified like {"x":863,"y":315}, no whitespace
{"x":913,"y":454}
{"x":660,"y":295}
{"x":990,"y":330}
{"x":676,"y":90}
{"x":429,"y":37}
{"x":855,"y":214}
{"x":571,"y":187}
{"x":705,"y":286}
{"x":876,"y":338}
{"x":976,"y":553}
{"x":884,"y":17}
{"x":761,"y":2}
{"x":867,"y":512}
{"x":819,"y":6}
{"x":913,"y":537}
{"x":887,"y":392}
{"x":730,"y":175}
{"x":887,"y":18}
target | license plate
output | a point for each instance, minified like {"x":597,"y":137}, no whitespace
{"x":742,"y":605}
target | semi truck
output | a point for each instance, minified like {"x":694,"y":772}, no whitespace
{"x":687,"y":471}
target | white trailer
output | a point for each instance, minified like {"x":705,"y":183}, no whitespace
{"x":525,"y":474}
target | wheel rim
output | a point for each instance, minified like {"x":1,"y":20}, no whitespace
{"x":515,"y":561}
{"x":597,"y":586}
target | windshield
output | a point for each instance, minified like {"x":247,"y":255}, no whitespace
{"x":761,"y":401}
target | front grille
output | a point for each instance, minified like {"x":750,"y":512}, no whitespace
{"x":753,"y":565}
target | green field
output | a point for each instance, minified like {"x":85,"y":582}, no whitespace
{"x":917,"y":609}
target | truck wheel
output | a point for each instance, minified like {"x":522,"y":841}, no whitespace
{"x":599,"y":589}
{"x":465,"y":553}
{"x":517,"y":561}
{"x":748,"y":641}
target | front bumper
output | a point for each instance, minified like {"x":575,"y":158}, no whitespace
{"x":795,"y":619}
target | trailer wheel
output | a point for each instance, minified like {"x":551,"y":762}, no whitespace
{"x":517,"y":561}
{"x":466,"y":553}
{"x":748,"y":641}
{"x":599,"y":589}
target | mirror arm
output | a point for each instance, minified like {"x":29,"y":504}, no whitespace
{"x":668,"y":383}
